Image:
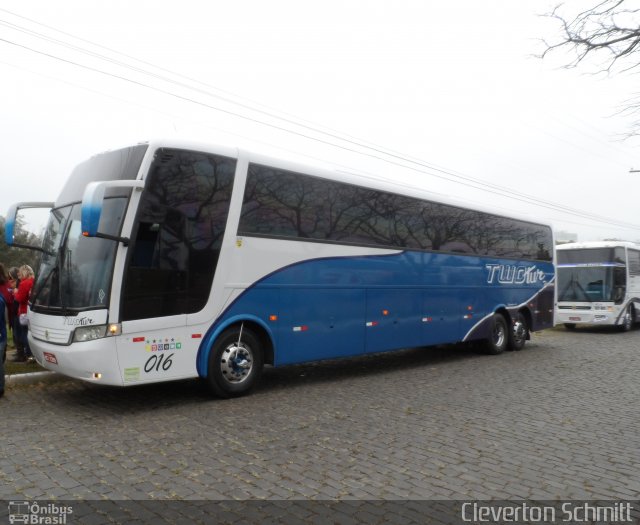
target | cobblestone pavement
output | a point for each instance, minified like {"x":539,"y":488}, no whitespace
{"x":558,"y":420}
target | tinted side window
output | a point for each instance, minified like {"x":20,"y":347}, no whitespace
{"x":180,"y":225}
{"x":634,"y":262}
{"x":585,"y":256}
{"x":285,"y":204}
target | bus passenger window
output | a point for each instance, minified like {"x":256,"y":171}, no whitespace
{"x":180,"y":224}
{"x":145,"y":244}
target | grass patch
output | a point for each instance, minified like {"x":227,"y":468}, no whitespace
{"x":21,"y":368}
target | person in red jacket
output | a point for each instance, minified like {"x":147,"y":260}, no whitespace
{"x":21,"y":295}
{"x":6,"y":291}
{"x":14,"y":282}
{"x":3,"y":341}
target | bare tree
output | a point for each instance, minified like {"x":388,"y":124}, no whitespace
{"x":609,"y":30}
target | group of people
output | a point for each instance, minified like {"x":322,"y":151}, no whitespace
{"x":15,"y":289}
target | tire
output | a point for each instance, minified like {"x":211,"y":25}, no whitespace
{"x":570,"y":326}
{"x":235,"y":363}
{"x":498,"y":336}
{"x":627,"y":319}
{"x":519,"y":332}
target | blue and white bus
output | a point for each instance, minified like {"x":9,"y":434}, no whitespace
{"x":166,"y":260}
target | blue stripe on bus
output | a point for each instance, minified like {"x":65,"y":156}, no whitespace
{"x":346,"y":306}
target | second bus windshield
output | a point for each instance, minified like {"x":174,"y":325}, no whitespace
{"x":591,"y":275}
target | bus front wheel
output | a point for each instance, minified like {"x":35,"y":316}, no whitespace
{"x":628,"y":319}
{"x":498,"y":335}
{"x":235,"y":362}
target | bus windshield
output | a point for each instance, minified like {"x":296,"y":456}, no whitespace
{"x":591,"y":283}
{"x":591,"y":274}
{"x":76,"y":271}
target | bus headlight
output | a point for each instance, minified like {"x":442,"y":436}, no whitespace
{"x":91,"y":333}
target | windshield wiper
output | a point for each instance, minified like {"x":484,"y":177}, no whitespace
{"x":44,"y":283}
{"x":574,"y":285}
{"x":55,"y":269}
{"x":577,"y":285}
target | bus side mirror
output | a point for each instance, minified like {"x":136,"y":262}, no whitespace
{"x":92,"y":202}
{"x":12,"y":220}
{"x":10,"y":224}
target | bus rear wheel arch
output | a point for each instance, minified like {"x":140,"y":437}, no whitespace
{"x":235,"y":362}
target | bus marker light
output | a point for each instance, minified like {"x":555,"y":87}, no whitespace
{"x":196,"y":336}
{"x":273,"y":318}
{"x":372,"y":323}
{"x":138,"y":339}
{"x":469,"y":308}
{"x":427,"y":319}
{"x":385,"y":312}
{"x":468,"y":316}
{"x":302,"y":328}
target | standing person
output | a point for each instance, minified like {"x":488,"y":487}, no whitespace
{"x":21,"y":295}
{"x":6,"y":291}
{"x":12,"y":306}
{"x":3,"y":342}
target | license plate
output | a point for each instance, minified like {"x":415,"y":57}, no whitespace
{"x":574,"y":319}
{"x":49,"y":357}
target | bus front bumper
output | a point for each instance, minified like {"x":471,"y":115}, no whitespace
{"x":94,"y":361}
{"x":564,"y":317}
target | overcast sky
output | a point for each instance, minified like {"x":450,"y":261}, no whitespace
{"x":451,"y":85}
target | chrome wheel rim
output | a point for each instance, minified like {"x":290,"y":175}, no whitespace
{"x":236,"y":363}
{"x":498,"y":335}
{"x":519,"y":331}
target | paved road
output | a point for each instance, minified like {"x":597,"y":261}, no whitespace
{"x":558,"y":420}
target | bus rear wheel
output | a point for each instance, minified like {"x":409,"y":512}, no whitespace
{"x":519,"y":332}
{"x":235,"y":362}
{"x":498,"y":338}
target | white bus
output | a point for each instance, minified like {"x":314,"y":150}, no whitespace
{"x":598,"y":284}
{"x":167,"y":260}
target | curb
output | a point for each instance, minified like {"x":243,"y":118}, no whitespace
{"x":33,"y":377}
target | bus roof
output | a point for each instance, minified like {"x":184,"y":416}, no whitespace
{"x":330,"y":171}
